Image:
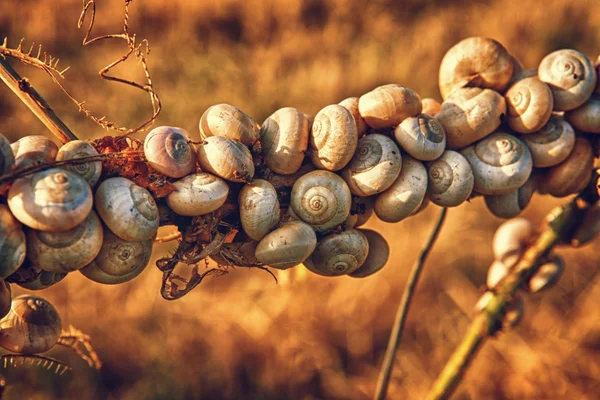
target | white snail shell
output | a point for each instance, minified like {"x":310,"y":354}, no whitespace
{"x":587,"y":117}
{"x":573,"y":174}
{"x":7,"y":158}
{"x":5,"y":298}
{"x":167,"y":150}
{"x":259,"y":208}
{"x":430,"y":106}
{"x":339,"y":253}
{"x":496,"y":273}
{"x":74,"y":149}
{"x":333,"y":138}
{"x":225,"y":158}
{"x":529,"y":103}
{"x":32,"y":150}
{"x":547,"y":274}
{"x":511,"y":204}
{"x":552,"y":144}
{"x":287,"y":246}
{"x":351,"y":104}
{"x":379,"y":253}
{"x":388,"y":105}
{"x":422,"y":137}
{"x":450,"y":180}
{"x":198,"y":194}
{"x":230,"y":122}
{"x":510,"y":240}
{"x":12,"y":243}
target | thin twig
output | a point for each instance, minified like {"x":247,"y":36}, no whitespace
{"x":396,"y":334}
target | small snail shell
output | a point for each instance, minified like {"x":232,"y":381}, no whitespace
{"x":573,"y":174}
{"x":510,"y":240}
{"x":66,"y":251}
{"x":198,"y":194}
{"x":513,"y":312}
{"x":470,"y":114}
{"x":587,"y":117}
{"x":53,"y":200}
{"x":552,"y":144}
{"x":339,"y":253}
{"x":12,"y":243}
{"x":259,"y":208}
{"x":78,"y":149}
{"x":379,"y":253}
{"x":7,"y":158}
{"x":422,"y":137}
{"x":230,"y":122}
{"x":501,"y":163}
{"x":5,"y":298}
{"x":127,"y":209}
{"x":287,"y":246}
{"x":43,"y":280}
{"x":225,"y":158}
{"x":405,"y":195}
{"x":119,"y":260}
{"x":333,"y":138}
{"x":547,"y":275}
{"x":496,"y":273}
{"x":388,"y":105}
{"x":430,"y":106}
{"x":351,"y":104}
{"x":589,"y":227}
{"x":32,"y":150}
{"x":571,"y":77}
{"x":31,"y":326}
{"x":364,"y":209}
{"x":284,"y":139}
{"x":374,"y":167}
{"x":450,"y":179}
{"x":167,"y":150}
{"x":478,"y":62}
{"x":511,"y":204}
{"x":321,"y":199}
{"x":529,"y":103}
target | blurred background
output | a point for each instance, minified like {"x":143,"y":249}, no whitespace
{"x":242,"y":336}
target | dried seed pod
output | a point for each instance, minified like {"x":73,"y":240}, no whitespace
{"x":32,"y":150}
{"x":43,"y":280}
{"x":377,"y":257}
{"x":510,"y":240}
{"x":430,"y":106}
{"x":78,"y":149}
{"x":547,"y":274}
{"x":198,"y":194}
{"x":284,"y":139}
{"x":230,"y":122}
{"x":5,"y":298}
{"x":287,"y":246}
{"x":496,"y":273}
{"x":587,"y":117}
{"x":339,"y":253}
{"x":388,"y":105}
{"x":529,"y":103}
{"x":351,"y":104}
{"x":511,"y":204}
{"x":167,"y":150}
{"x":572,"y":175}
{"x":450,"y":179}
{"x":333,"y":138}
{"x":552,"y":144}
{"x":12,"y":243}
{"x":225,"y":158}
{"x":589,"y":227}
{"x":364,"y":207}
{"x":259,"y":208}
{"x":7,"y":158}
{"x":422,"y":137}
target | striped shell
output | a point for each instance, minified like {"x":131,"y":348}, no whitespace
{"x":74,"y":149}
{"x":230,"y":122}
{"x":259,"y":208}
{"x":333,"y":138}
{"x":167,"y":150}
{"x":198,"y":194}
{"x":529,"y":103}
{"x":226,"y":159}
{"x":284,"y":139}
{"x":422,"y":137}
{"x":450,"y":180}
{"x":32,"y":150}
{"x":388,"y":105}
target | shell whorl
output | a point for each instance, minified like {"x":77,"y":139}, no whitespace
{"x":7,"y":158}
{"x":33,"y":149}
{"x":422,"y":137}
{"x":12,"y":242}
{"x":450,"y":179}
{"x":167,"y":150}
{"x":552,"y":144}
{"x":198,"y":194}
{"x":339,"y":253}
{"x":74,"y":149}
{"x":388,"y":105}
{"x":333,"y":138}
{"x":529,"y":103}
{"x":230,"y":122}
{"x":259,"y":208}
{"x":226,"y":158}
{"x":377,"y":257}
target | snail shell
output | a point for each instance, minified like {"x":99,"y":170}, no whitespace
{"x":587,"y":117}
{"x":351,"y":221}
{"x":43,"y":279}
{"x":7,"y":158}
{"x":470,"y":114}
{"x":127,"y":209}
{"x":333,"y":138}
{"x":511,"y":204}
{"x":225,"y":158}
{"x":517,"y":66}
{"x":496,"y":273}
{"x":284,"y":139}
{"x":527,"y":73}
{"x":573,"y":174}
{"x":510,"y":240}
{"x":321,"y":199}
{"x":547,"y":275}
{"x":198,"y":194}
{"x":422,"y":207}
{"x":422,"y":137}
{"x":230,"y":122}
{"x":31,"y":326}
{"x":388,"y":105}
{"x":475,"y":62}
{"x":167,"y":150}
{"x":405,"y":195}
{"x":430,"y":106}
{"x":259,"y":208}
{"x":351,"y":104}
{"x":32,"y":150}
{"x":374,"y":167}
{"x":66,"y":251}
{"x":552,"y":144}
{"x":287,"y":246}
{"x":450,"y":179}
{"x":12,"y":243}
{"x":377,"y":257}
{"x":5,"y":298}
{"x":589,"y":227}
{"x":78,"y":149}
{"x":364,"y":209}
{"x":570,"y":75}
{"x":339,"y":253}
{"x":529,"y":103}
{"x":53,"y":200}
{"x":501,"y":163}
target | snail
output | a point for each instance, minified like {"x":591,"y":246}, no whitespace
{"x":127,"y":209}
{"x":53,"y":200}
{"x":364,"y":209}
{"x":547,"y":274}
{"x":338,"y":253}
{"x":573,"y":174}
{"x":351,"y":104}
{"x":321,"y":199}
{"x":517,"y":67}
{"x":586,"y":118}
{"x":377,"y":257}
{"x":475,"y":62}
{"x":31,"y":326}
{"x":520,"y":75}
{"x":287,"y":246}
{"x":374,"y":167}
{"x":511,"y":204}
{"x":552,"y":144}
{"x":501,"y":163}
{"x":5,"y":298}
{"x":78,"y":149}
{"x":198,"y":194}
{"x":589,"y":226}
{"x":388,"y":105}
{"x":406,"y":193}
{"x":496,"y":273}
{"x":450,"y":179}
{"x":333,"y":138}
{"x":430,"y":106}
{"x":167,"y":150}
{"x":43,"y":279}
{"x":259,"y":208}
{"x":422,"y":137}
{"x":470,"y":114}
{"x":7,"y":158}
{"x":32,"y":150}
{"x":422,"y":207}
{"x":510,"y":239}
{"x":350,"y":221}
{"x":570,"y":75}
{"x":230,"y":122}
{"x":529,"y":104}
{"x":12,"y":243}
{"x":597,"y":66}
{"x":284,"y":139}
{"x":226,"y":159}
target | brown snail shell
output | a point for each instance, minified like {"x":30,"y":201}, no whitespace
{"x":511,"y":204}
{"x":379,"y":253}
{"x":589,"y":227}
{"x":573,"y":174}
{"x":552,"y":144}
{"x":338,"y":253}
{"x":287,"y":246}
{"x":351,"y":221}
{"x":5,"y":298}
{"x":510,"y":239}
{"x":32,"y":150}
{"x":351,"y":104}
{"x":364,"y":209}
{"x":198,"y":194}
{"x":422,"y":137}
{"x":547,"y":274}
{"x":450,"y":179}
{"x":284,"y":138}
{"x":43,"y":279}
{"x":529,"y":103}
{"x":74,"y":149}
{"x":7,"y":158}
{"x":230,"y":122}
{"x":167,"y":150}
{"x":388,"y":105}
{"x":333,"y":138}
{"x":259,"y":208}
{"x":430,"y":106}
{"x":226,"y":159}
{"x":12,"y":243}
{"x":587,"y":117}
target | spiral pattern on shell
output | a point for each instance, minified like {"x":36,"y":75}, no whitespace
{"x":422,"y":137}
{"x":198,"y":194}
{"x":74,"y":149}
{"x":529,"y":103}
{"x":33,"y":149}
{"x":167,"y":150}
{"x":333,"y":138}
{"x":259,"y":208}
{"x":451,"y":179}
{"x":388,"y":105}
{"x":377,"y":257}
{"x":552,"y":144}
{"x":230,"y":122}
{"x":225,"y":158}
{"x":339,"y":253}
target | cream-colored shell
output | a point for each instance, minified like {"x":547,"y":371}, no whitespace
{"x":529,"y":103}
{"x":5,"y":298}
{"x":450,"y":179}
{"x":510,"y":239}
{"x":547,"y":274}
{"x":572,"y":175}
{"x":339,"y":253}
{"x":32,"y":150}
{"x":284,"y":139}
{"x":520,"y":75}
{"x":333,"y":138}
{"x":587,"y":117}
{"x":379,"y":253}
{"x":422,"y":137}
{"x":12,"y":243}
{"x":430,"y":106}
{"x":167,"y":150}
{"x":230,"y":122}
{"x":589,"y":227}
{"x":351,"y":104}
{"x":225,"y":158}
{"x":74,"y":149}
{"x":7,"y":158}
{"x":198,"y":194}
{"x":364,"y":209}
{"x":388,"y":105}
{"x":552,"y":144}
{"x":259,"y":208}
{"x":496,"y":273}
{"x":511,"y":204}
{"x":43,"y":280}
{"x":287,"y":246}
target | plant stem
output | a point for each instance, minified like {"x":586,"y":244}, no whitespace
{"x":396,"y":334}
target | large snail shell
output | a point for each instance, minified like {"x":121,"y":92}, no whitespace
{"x":350,"y":221}
{"x":78,"y":149}
{"x":287,"y":246}
{"x":470,"y":114}
{"x":66,"y":251}
{"x":552,"y":144}
{"x":225,"y":158}
{"x":7,"y":158}
{"x":54,"y":200}
{"x":430,"y":106}
{"x":351,"y":104}
{"x":374,"y":167}
{"x":587,"y":117}
{"x":364,"y":209}
{"x":5,"y":298}
{"x":547,"y":274}
{"x":422,"y":137}
{"x":230,"y":122}
{"x":333,"y":138}
{"x":339,"y":253}
{"x":32,"y":150}
{"x":127,"y":209}
{"x":259,"y":208}
{"x":43,"y":280}
{"x":167,"y":150}
{"x":284,"y":140}
{"x":527,"y":73}
{"x":529,"y":103}
{"x":388,"y":105}
{"x":573,"y":174}
{"x":405,"y":195}
{"x":198,"y":194}
{"x":571,"y":77}
{"x":589,"y":227}
{"x":12,"y":243}
{"x":31,"y":326}
{"x":501,"y":163}
{"x":379,"y":253}
{"x":450,"y":180}
{"x":321,"y":199}
{"x":510,"y":240}
{"x":475,"y":62}
{"x":511,"y":204}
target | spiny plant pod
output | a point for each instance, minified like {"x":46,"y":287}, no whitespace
{"x":496,"y":273}
{"x":589,"y":227}
{"x":422,"y":137}
{"x":259,"y":208}
{"x":587,"y":117}
{"x":450,"y":179}
{"x":333,"y":138}
{"x":226,"y":159}
{"x":431,"y":106}
{"x":388,"y":105}
{"x":511,"y":204}
{"x":552,"y":144}
{"x":572,"y":175}
{"x":287,"y":246}
{"x":379,"y":253}
{"x":338,"y":253}
{"x":12,"y":243}
{"x":547,"y":275}
{"x":510,"y":239}
{"x":351,"y":104}
{"x":74,"y":149}
{"x":32,"y":150}
{"x":198,"y":194}
{"x":284,"y":140}
{"x":7,"y":158}
{"x":167,"y":150}
{"x":5,"y":298}
{"x":230,"y":122}
{"x":529,"y":103}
